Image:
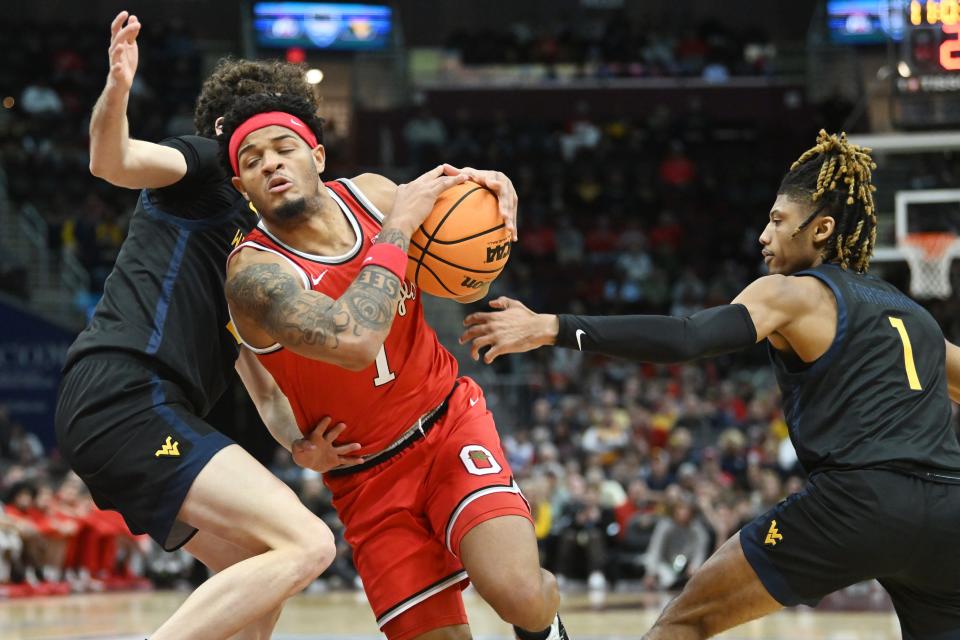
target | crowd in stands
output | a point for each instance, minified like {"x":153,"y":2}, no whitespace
{"x":618,"y":46}
{"x":53,"y":539}
{"x":55,"y":72}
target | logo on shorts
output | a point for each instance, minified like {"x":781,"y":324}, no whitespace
{"x":171,"y":448}
{"x":479,"y":461}
{"x":773,"y":535}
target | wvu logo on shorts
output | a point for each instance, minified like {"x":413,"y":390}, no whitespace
{"x":237,"y":237}
{"x":773,"y":535}
{"x":170,"y":449}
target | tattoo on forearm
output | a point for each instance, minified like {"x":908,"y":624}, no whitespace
{"x":394,"y":237}
{"x":372,"y":299}
{"x":275,"y":298}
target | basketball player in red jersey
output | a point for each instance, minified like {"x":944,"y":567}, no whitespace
{"x":318,"y":292}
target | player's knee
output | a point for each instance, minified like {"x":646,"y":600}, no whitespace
{"x":524,"y":601}
{"x":320,"y":551}
{"x":312,"y":551}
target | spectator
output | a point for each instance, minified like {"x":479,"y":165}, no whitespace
{"x":678,"y":547}
{"x":584,"y":541}
{"x":24,"y":447}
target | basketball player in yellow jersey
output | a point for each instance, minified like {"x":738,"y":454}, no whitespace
{"x":866,"y":378}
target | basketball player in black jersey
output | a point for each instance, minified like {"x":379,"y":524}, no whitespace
{"x":159,"y":352}
{"x":866,"y":378}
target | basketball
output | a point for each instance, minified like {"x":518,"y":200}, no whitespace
{"x":461,"y":246}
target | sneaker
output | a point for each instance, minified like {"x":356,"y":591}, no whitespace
{"x":557,"y":632}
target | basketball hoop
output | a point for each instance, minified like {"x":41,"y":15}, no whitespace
{"x":929,"y":255}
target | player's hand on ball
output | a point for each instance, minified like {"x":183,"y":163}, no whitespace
{"x":415,"y":199}
{"x":512,"y":329}
{"x":500,"y":185}
{"x":318,"y":452}
{"x":124,"y":54}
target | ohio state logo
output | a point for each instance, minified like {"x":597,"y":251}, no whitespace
{"x":479,"y":461}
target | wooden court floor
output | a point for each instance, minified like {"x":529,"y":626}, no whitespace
{"x":345,"y":616}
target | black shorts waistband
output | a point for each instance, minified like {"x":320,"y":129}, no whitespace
{"x":929,"y":474}
{"x":417,"y":431}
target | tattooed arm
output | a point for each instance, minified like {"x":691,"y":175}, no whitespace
{"x":269,"y":303}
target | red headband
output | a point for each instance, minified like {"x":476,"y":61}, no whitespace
{"x":262,"y":120}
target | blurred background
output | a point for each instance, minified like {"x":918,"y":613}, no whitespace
{"x":646,"y":140}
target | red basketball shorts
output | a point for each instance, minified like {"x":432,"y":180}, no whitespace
{"x":405,"y":518}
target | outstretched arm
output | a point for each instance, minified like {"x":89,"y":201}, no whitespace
{"x":763,"y":308}
{"x":114,"y":156}
{"x":953,"y":371}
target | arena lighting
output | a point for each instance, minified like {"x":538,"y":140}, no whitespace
{"x":904,"y":69}
{"x":314,"y":76}
{"x":8,"y":102}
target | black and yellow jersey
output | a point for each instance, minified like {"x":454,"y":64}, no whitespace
{"x":164,"y":299}
{"x":878,"y":397}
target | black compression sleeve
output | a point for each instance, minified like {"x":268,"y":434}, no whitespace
{"x":663,"y":339}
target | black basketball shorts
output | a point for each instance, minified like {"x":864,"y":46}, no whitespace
{"x":133,"y":437}
{"x":851,"y":526}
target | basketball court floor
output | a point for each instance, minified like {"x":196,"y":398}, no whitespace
{"x":345,"y":616}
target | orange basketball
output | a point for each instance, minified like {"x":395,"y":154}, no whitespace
{"x":462,"y":245}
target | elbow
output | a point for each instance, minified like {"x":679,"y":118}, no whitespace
{"x":361,"y":355}
{"x":103,"y":169}
{"x":97,"y":169}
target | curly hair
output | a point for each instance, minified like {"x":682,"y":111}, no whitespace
{"x":245,"y":108}
{"x":233,"y":79}
{"x":835,"y":176}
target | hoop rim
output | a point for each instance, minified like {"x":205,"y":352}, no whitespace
{"x":935,"y":245}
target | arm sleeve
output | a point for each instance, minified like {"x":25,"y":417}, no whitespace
{"x":204,"y":190}
{"x":661,"y":339}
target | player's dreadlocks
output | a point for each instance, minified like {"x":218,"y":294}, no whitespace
{"x":233,"y":79}
{"x":835,"y":176}
{"x":245,"y":108}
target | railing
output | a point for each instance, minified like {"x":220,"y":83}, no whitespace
{"x":35,"y":230}
{"x":54,"y":282}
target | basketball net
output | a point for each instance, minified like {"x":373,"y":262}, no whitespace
{"x":929,"y":255}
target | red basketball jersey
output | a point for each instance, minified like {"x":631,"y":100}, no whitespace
{"x":413,"y":372}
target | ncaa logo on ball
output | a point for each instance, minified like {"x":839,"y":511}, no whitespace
{"x":497,"y":252}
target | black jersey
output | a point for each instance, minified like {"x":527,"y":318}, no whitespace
{"x":878,"y":397}
{"x":164,"y":298}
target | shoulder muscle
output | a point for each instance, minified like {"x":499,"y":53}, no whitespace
{"x":380,"y":190}
{"x":258,"y":279}
{"x":775,"y":301}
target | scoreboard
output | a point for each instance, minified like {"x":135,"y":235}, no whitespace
{"x":927,"y":85}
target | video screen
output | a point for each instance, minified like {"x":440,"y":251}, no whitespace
{"x":865,"y":21}
{"x":330,"y":26}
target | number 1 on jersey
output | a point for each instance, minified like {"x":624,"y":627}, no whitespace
{"x":384,"y":375}
{"x":912,"y":378}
